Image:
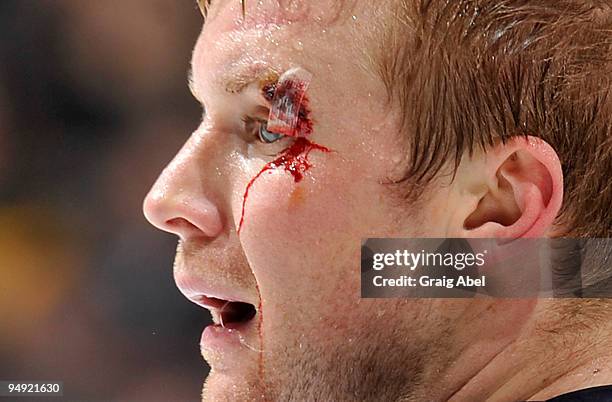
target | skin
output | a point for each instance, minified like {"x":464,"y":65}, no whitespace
{"x":298,"y":250}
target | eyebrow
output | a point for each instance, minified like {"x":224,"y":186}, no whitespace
{"x":238,"y":78}
{"x":205,"y":5}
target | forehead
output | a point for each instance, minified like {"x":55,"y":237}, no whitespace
{"x":329,"y":38}
{"x":274,"y":31}
{"x":249,"y":13}
{"x":276,"y":34}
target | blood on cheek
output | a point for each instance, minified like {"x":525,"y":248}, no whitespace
{"x":290,"y":118}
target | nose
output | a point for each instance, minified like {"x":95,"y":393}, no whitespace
{"x":178,"y":203}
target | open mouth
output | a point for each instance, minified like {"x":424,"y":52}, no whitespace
{"x":226,"y":313}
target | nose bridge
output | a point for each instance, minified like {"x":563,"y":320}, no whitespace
{"x":185,"y":199}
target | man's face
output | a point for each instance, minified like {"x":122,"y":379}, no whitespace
{"x":296,"y":259}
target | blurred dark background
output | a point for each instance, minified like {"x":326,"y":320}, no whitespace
{"x":93,"y":104}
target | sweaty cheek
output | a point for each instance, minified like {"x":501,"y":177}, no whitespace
{"x":300,"y":246}
{"x":277,"y":203}
{"x":291,"y":228}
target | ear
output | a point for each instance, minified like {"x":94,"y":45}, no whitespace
{"x":512,"y":190}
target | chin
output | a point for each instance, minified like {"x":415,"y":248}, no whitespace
{"x":222,"y":387}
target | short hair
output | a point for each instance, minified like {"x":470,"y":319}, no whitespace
{"x":468,"y":73}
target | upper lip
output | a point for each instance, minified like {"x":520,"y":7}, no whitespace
{"x":203,"y":294}
{"x":228,"y":308}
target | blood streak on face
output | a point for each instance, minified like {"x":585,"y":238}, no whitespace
{"x":290,"y":116}
{"x":293,"y":159}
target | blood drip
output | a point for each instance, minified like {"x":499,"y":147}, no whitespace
{"x":289,"y":116}
{"x":260,"y":333}
{"x":293,"y":159}
{"x":284,"y":119}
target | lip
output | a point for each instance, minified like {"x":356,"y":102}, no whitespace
{"x":226,"y":338}
{"x":216,"y":337}
{"x":194,"y":288}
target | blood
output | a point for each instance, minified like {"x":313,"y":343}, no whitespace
{"x":283,"y":118}
{"x":261,"y":345}
{"x":293,"y":160}
{"x":268,"y":91}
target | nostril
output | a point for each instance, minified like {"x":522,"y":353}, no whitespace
{"x":182,"y":227}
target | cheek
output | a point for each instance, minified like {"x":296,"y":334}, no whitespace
{"x":280,"y":211}
{"x":296,"y":240}
{"x":290,"y":227}
{"x":302,"y":240}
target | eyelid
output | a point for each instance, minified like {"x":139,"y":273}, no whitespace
{"x":250,"y":121}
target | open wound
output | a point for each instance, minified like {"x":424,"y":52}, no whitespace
{"x":289,"y":116}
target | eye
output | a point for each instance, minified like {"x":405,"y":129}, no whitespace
{"x":267,"y":136}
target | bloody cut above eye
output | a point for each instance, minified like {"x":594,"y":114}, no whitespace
{"x":289,"y":110}
{"x":289,"y":116}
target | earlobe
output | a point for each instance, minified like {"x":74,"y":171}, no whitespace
{"x":524,"y":191}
